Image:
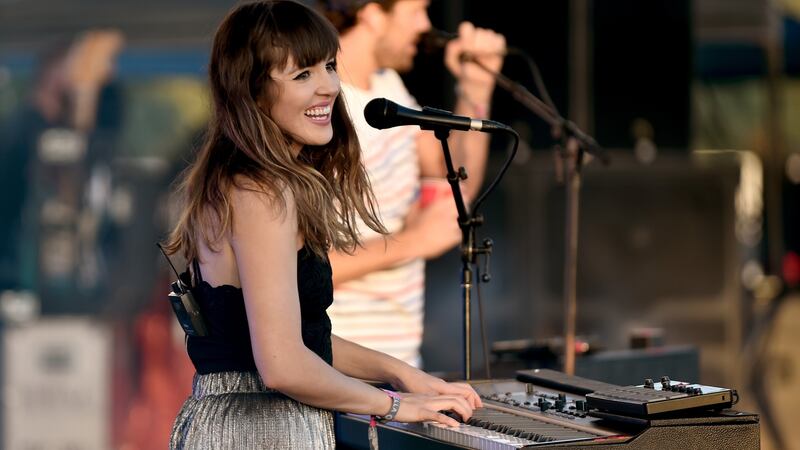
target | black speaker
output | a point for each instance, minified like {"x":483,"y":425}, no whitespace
{"x":657,"y":248}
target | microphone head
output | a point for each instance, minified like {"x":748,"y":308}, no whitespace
{"x":434,"y":40}
{"x":379,"y":113}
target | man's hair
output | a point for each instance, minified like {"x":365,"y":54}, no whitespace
{"x":342,"y":13}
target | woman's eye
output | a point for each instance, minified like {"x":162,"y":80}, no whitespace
{"x":302,"y":75}
{"x":331,"y":66}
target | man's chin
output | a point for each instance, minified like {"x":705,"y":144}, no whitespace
{"x":403,"y":65}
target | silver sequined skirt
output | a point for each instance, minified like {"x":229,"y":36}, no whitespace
{"x":234,"y":410}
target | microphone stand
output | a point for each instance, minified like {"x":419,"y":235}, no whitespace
{"x":468,"y":222}
{"x":574,"y":144}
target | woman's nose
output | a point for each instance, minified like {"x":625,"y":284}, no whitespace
{"x":329,"y":85}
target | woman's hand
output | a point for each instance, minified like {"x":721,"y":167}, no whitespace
{"x":421,"y":408}
{"x":416,"y":381}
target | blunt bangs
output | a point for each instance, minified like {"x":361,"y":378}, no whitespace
{"x":305,"y":35}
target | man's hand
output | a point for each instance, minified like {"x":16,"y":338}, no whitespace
{"x":432,"y":230}
{"x":484,"y":45}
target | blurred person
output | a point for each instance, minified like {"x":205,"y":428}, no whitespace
{"x":91,"y":68}
{"x":380,"y":288}
{"x":277,"y":184}
{"x":47,"y":107}
{"x":66,"y":213}
{"x":41,"y":142}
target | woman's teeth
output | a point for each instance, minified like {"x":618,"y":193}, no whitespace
{"x":319,"y":112}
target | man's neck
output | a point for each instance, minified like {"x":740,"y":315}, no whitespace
{"x":356,"y":59}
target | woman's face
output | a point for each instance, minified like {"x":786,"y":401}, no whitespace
{"x":303,"y":101}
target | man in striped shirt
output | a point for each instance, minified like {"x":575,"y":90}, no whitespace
{"x":379,"y":290}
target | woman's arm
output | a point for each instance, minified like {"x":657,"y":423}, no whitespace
{"x":366,"y":364}
{"x":264,"y":241}
{"x":360,"y":362}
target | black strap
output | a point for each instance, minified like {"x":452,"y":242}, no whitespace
{"x":198,"y":277}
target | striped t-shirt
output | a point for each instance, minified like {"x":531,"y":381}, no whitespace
{"x":384,"y":309}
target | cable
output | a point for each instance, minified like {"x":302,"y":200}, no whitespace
{"x":484,"y":340}
{"x":502,"y":172}
{"x":536,"y":74}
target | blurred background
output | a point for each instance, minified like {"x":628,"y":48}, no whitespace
{"x":688,"y":259}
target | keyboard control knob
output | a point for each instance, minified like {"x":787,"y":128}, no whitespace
{"x":648,"y":383}
{"x":545,"y":405}
{"x":665,"y":382}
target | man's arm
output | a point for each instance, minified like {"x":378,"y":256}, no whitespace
{"x":428,"y":233}
{"x":474,"y":89}
{"x":468,"y":149}
{"x":374,"y":254}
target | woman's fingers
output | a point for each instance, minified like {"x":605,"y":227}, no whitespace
{"x":452,"y":403}
{"x":422,"y":407}
{"x":445,"y":419}
{"x":441,"y":418}
{"x":466,"y":391}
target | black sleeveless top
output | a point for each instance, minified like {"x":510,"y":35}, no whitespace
{"x":227,"y":346}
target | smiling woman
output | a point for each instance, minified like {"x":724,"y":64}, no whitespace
{"x":277,"y":185}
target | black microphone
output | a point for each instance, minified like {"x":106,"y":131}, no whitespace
{"x":381,"y":113}
{"x":435,"y":39}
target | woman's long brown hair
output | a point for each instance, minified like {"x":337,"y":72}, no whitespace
{"x":245,"y":148}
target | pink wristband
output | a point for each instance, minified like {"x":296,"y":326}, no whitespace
{"x":392,"y":394}
{"x":481,"y":111}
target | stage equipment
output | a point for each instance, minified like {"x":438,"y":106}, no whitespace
{"x":555,"y":412}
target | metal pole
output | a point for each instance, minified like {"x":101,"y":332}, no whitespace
{"x":572,"y":176}
{"x":579,"y":108}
